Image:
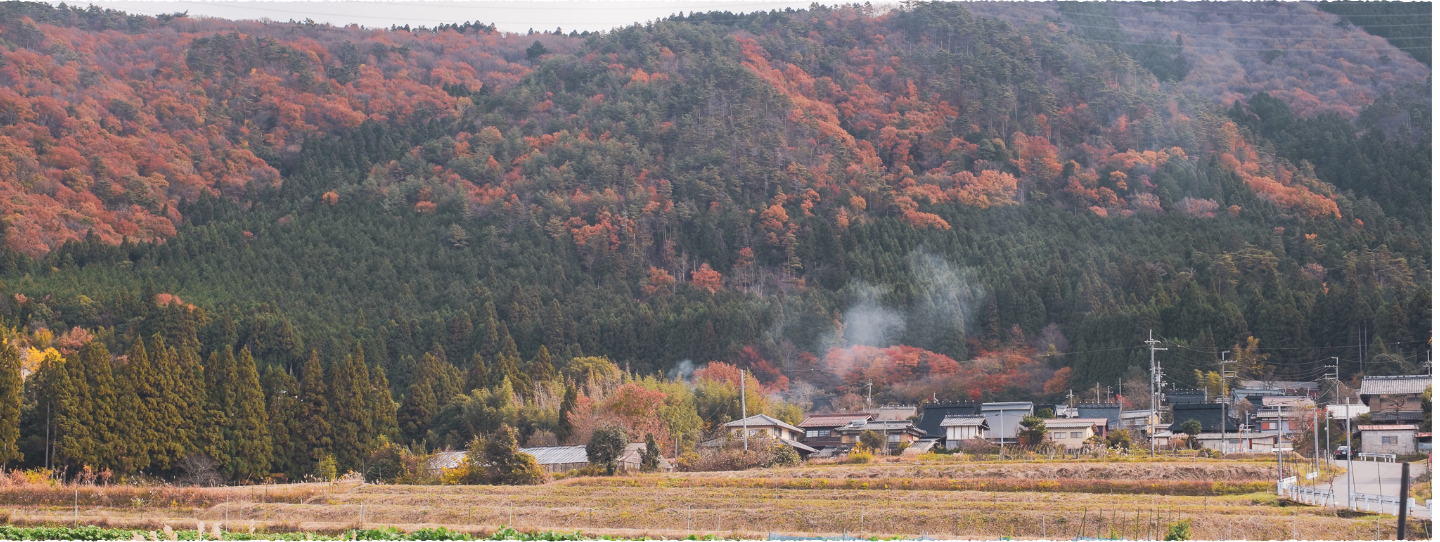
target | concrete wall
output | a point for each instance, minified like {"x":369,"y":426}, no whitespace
{"x":1372,"y":442}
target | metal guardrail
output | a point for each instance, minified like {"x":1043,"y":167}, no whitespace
{"x":1315,"y":496}
{"x":1388,"y":458}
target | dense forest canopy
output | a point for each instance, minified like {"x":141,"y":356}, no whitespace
{"x":464,"y":228}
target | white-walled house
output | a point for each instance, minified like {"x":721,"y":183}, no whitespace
{"x":761,"y":425}
{"x":961,"y":428}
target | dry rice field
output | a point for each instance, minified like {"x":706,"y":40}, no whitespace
{"x":678,"y":505}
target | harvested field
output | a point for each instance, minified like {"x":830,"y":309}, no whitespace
{"x":1197,"y":470}
{"x":751,"y":504}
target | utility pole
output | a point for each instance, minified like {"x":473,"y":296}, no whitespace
{"x":1225,"y":374}
{"x":1154,"y":388}
{"x":1333,"y":375}
{"x":1349,"y":461}
{"x":744,"y":423}
{"x":1097,"y":391}
{"x":1315,"y":432}
{"x":869,"y":390}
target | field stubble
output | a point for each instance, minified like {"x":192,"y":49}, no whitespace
{"x":649,"y":506}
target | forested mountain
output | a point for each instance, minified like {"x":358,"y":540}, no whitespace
{"x":454,"y":224}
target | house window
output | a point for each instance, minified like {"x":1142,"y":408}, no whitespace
{"x":1076,"y":434}
{"x":811,"y":433}
{"x":1389,"y":440}
{"x":894,"y":438}
{"x":824,"y":433}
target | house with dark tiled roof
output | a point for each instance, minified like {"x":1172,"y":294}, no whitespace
{"x":821,"y":429}
{"x":1176,"y":397}
{"x":1212,"y":417}
{"x":931,"y":414}
{"x":1109,"y":411}
{"x":894,"y":432}
{"x":1394,"y":399}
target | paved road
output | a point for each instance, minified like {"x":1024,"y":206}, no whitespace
{"x":1376,"y":478}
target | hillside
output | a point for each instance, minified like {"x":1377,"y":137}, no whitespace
{"x":946,"y":204}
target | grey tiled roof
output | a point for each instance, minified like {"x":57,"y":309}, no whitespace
{"x":1394,"y":385}
{"x":761,"y":420}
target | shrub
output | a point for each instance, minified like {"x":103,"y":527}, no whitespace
{"x":859,"y":454}
{"x":727,"y":459}
{"x":1032,"y":431}
{"x":782,"y":455}
{"x":872,"y":440}
{"x":1179,"y":530}
{"x":325,"y":470}
{"x":605,"y":447}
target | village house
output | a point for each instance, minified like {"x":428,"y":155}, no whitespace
{"x":762,"y":426}
{"x":1282,"y":387}
{"x":1237,"y":442}
{"x":931,"y":414}
{"x":821,"y":429}
{"x":1138,"y":422}
{"x":1276,"y":413}
{"x":894,"y":432}
{"x":1186,"y":397}
{"x":1004,"y":419}
{"x":630,"y":459}
{"x":1072,"y":433}
{"x":1395,"y":439}
{"x":1394,"y":399}
{"x":1110,"y":412}
{"x":1213,"y":417}
{"x":960,"y":428}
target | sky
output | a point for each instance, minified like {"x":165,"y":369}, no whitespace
{"x":508,"y":16}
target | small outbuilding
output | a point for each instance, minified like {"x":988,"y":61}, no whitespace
{"x":1395,"y":439}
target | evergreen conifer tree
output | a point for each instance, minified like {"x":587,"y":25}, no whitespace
{"x":100,"y":380}
{"x":250,"y":427}
{"x":542,"y":369}
{"x":193,"y":397}
{"x":477,"y":377}
{"x":416,"y":411}
{"x":282,"y":407}
{"x":134,"y":434}
{"x":313,"y":419}
{"x":163,"y":404}
{"x":10,"y":387}
{"x":219,"y":435}
{"x":383,"y":407}
{"x":72,"y":441}
{"x":564,"y":427}
{"x":350,"y":426}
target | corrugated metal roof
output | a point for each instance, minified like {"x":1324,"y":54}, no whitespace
{"x":556,"y":455}
{"x":1394,"y":385}
{"x":445,"y":460}
{"x":1387,"y":428}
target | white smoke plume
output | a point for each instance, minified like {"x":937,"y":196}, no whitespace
{"x":867,"y":322}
